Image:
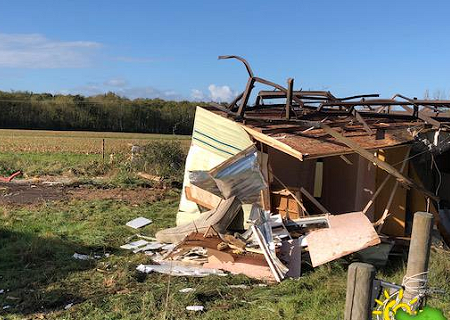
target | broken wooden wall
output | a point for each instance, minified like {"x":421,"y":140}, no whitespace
{"x":347,"y":187}
{"x":395,"y":224}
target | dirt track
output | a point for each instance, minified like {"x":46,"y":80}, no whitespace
{"x":28,"y":194}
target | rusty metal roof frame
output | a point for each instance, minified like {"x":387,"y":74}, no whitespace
{"x":302,"y":107}
{"x":322,"y":110}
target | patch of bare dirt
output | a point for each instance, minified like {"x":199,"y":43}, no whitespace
{"x":132,"y":196}
{"x":30,"y":194}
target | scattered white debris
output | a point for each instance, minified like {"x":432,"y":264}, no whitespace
{"x":149,"y":247}
{"x":134,"y":245}
{"x":169,"y":247}
{"x":68,"y":306}
{"x":176,"y":270}
{"x":186,"y":290}
{"x":138,"y":222}
{"x":81,"y":256}
{"x":238,"y":286}
{"x":2,"y":291}
{"x":6,"y":307}
{"x":194,"y":308}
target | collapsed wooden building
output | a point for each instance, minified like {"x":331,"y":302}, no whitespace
{"x":316,"y":155}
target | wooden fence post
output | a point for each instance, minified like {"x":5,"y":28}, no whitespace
{"x":103,"y":150}
{"x":419,"y":255}
{"x":358,"y":300}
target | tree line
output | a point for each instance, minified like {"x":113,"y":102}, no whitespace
{"x":107,"y":112}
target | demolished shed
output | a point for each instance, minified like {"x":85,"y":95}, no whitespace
{"x":304,"y":154}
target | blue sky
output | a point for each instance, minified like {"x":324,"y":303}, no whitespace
{"x":169,"y":49}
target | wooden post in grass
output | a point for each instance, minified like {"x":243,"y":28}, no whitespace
{"x":358,"y":301}
{"x":419,"y":255}
{"x":103,"y":150}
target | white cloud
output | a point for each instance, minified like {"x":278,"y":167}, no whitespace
{"x":221,"y":93}
{"x":116,"y":82}
{"x":197,"y":95}
{"x":92,"y":89}
{"x":37,"y":51}
{"x":149,"y":92}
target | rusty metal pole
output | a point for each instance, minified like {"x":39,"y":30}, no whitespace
{"x":419,"y":255}
{"x":358,"y":300}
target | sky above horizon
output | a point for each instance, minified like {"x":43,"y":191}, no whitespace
{"x":169,"y":49}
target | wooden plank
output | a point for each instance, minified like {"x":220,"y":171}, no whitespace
{"x":346,"y":160}
{"x":314,"y":201}
{"x":202,"y":197}
{"x":274,"y":143}
{"x":385,"y":214}
{"x":422,"y":116}
{"x":377,"y":192}
{"x":290,"y":192}
{"x":362,"y":121}
{"x":263,"y":159}
{"x":375,"y":195}
{"x":381,"y":164}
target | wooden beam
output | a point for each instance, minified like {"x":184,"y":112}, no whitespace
{"x":362,"y":121}
{"x":380,"y":188}
{"x":346,"y":160}
{"x":202,"y":197}
{"x":274,"y":143}
{"x":375,"y":195}
{"x":314,"y":201}
{"x":422,"y":116}
{"x":300,"y":203}
{"x":385,"y":214}
{"x":381,"y":164}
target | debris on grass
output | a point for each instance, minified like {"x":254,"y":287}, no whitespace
{"x":138,"y":222}
{"x":68,"y":306}
{"x":80,"y":256}
{"x":195,"y":308}
{"x":238,"y":286}
{"x":186,"y":290}
{"x":178,"y":270}
{"x":134,"y":245}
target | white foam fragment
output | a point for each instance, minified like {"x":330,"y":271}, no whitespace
{"x":194,"y":308}
{"x":134,"y":245}
{"x":138,"y":222}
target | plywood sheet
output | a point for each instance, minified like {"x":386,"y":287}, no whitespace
{"x":348,"y":233}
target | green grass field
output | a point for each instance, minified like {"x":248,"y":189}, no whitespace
{"x":37,"y":269}
{"x":40,"y":278}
